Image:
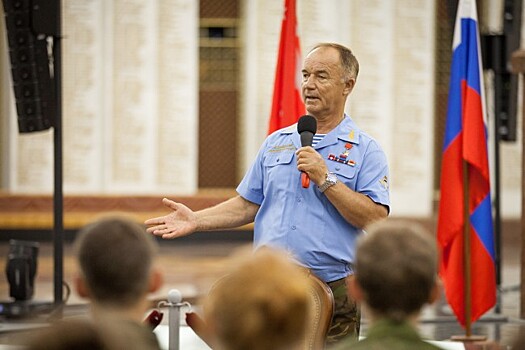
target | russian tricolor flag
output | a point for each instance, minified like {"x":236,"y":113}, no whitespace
{"x":465,"y":171}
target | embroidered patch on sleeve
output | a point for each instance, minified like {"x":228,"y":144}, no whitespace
{"x":384,"y":182}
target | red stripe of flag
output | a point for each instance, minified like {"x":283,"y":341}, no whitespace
{"x":287,"y":105}
{"x":465,"y":140}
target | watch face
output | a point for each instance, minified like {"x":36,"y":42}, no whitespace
{"x":331,"y":179}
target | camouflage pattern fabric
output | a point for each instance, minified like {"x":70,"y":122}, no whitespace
{"x":346,"y":320}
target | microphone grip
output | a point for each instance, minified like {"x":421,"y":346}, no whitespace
{"x":305,"y":180}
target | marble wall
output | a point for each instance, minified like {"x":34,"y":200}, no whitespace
{"x":130,"y":95}
{"x":130,"y":87}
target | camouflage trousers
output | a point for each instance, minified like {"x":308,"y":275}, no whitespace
{"x":346,"y":320}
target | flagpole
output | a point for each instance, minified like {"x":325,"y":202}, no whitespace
{"x":466,"y":251}
{"x":467,"y":272}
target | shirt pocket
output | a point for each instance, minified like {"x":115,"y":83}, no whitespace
{"x":346,"y":174}
{"x":275,"y":159}
{"x":279,"y":169}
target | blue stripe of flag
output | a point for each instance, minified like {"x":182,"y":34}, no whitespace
{"x":481,"y":220}
{"x":465,"y":66}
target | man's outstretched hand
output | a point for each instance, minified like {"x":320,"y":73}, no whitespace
{"x":180,"y":222}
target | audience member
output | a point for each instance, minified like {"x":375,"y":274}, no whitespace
{"x":395,"y":276}
{"x":518,"y":342}
{"x":264,"y":303}
{"x":81,"y":334}
{"x":117,"y":272}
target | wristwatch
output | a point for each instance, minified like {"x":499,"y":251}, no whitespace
{"x":330,"y":180}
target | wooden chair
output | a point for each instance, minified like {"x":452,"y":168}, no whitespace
{"x":323,"y":310}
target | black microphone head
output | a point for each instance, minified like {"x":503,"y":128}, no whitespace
{"x":307,"y":123}
{"x":306,"y":127}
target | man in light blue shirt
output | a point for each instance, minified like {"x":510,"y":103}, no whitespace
{"x":304,"y":221}
{"x":318,"y":224}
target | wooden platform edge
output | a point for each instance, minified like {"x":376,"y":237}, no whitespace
{"x":25,"y":212}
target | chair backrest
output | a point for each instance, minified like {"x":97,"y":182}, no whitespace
{"x":322,"y":312}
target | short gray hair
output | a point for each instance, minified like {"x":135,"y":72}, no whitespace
{"x":348,"y":60}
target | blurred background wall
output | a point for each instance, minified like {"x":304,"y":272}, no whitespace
{"x":172,"y":97}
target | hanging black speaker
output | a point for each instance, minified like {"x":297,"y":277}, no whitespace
{"x":31,"y":57}
{"x":509,"y":97}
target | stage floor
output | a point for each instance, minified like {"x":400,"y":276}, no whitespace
{"x":193,"y":266}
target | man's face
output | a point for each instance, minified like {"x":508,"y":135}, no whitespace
{"x":323,"y":85}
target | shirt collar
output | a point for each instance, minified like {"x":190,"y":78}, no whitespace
{"x":396,"y":329}
{"x":346,"y":131}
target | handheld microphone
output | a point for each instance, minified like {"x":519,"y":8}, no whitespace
{"x":306,"y":127}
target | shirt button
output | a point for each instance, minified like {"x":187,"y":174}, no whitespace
{"x":293,"y":227}
{"x":298,"y":199}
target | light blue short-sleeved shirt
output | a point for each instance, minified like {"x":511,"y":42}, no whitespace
{"x":303,"y":221}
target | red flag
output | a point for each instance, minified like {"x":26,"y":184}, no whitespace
{"x":466,"y":143}
{"x":287,"y":105}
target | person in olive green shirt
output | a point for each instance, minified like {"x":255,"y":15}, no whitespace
{"x":395,"y":276}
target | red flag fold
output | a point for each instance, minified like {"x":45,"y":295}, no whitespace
{"x":287,"y":105}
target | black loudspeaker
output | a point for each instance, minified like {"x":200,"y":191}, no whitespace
{"x":509,"y":97}
{"x":497,"y":50}
{"x":494,"y":58}
{"x":21,"y":269}
{"x":31,"y":57}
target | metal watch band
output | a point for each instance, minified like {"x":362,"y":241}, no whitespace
{"x":331,"y":179}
